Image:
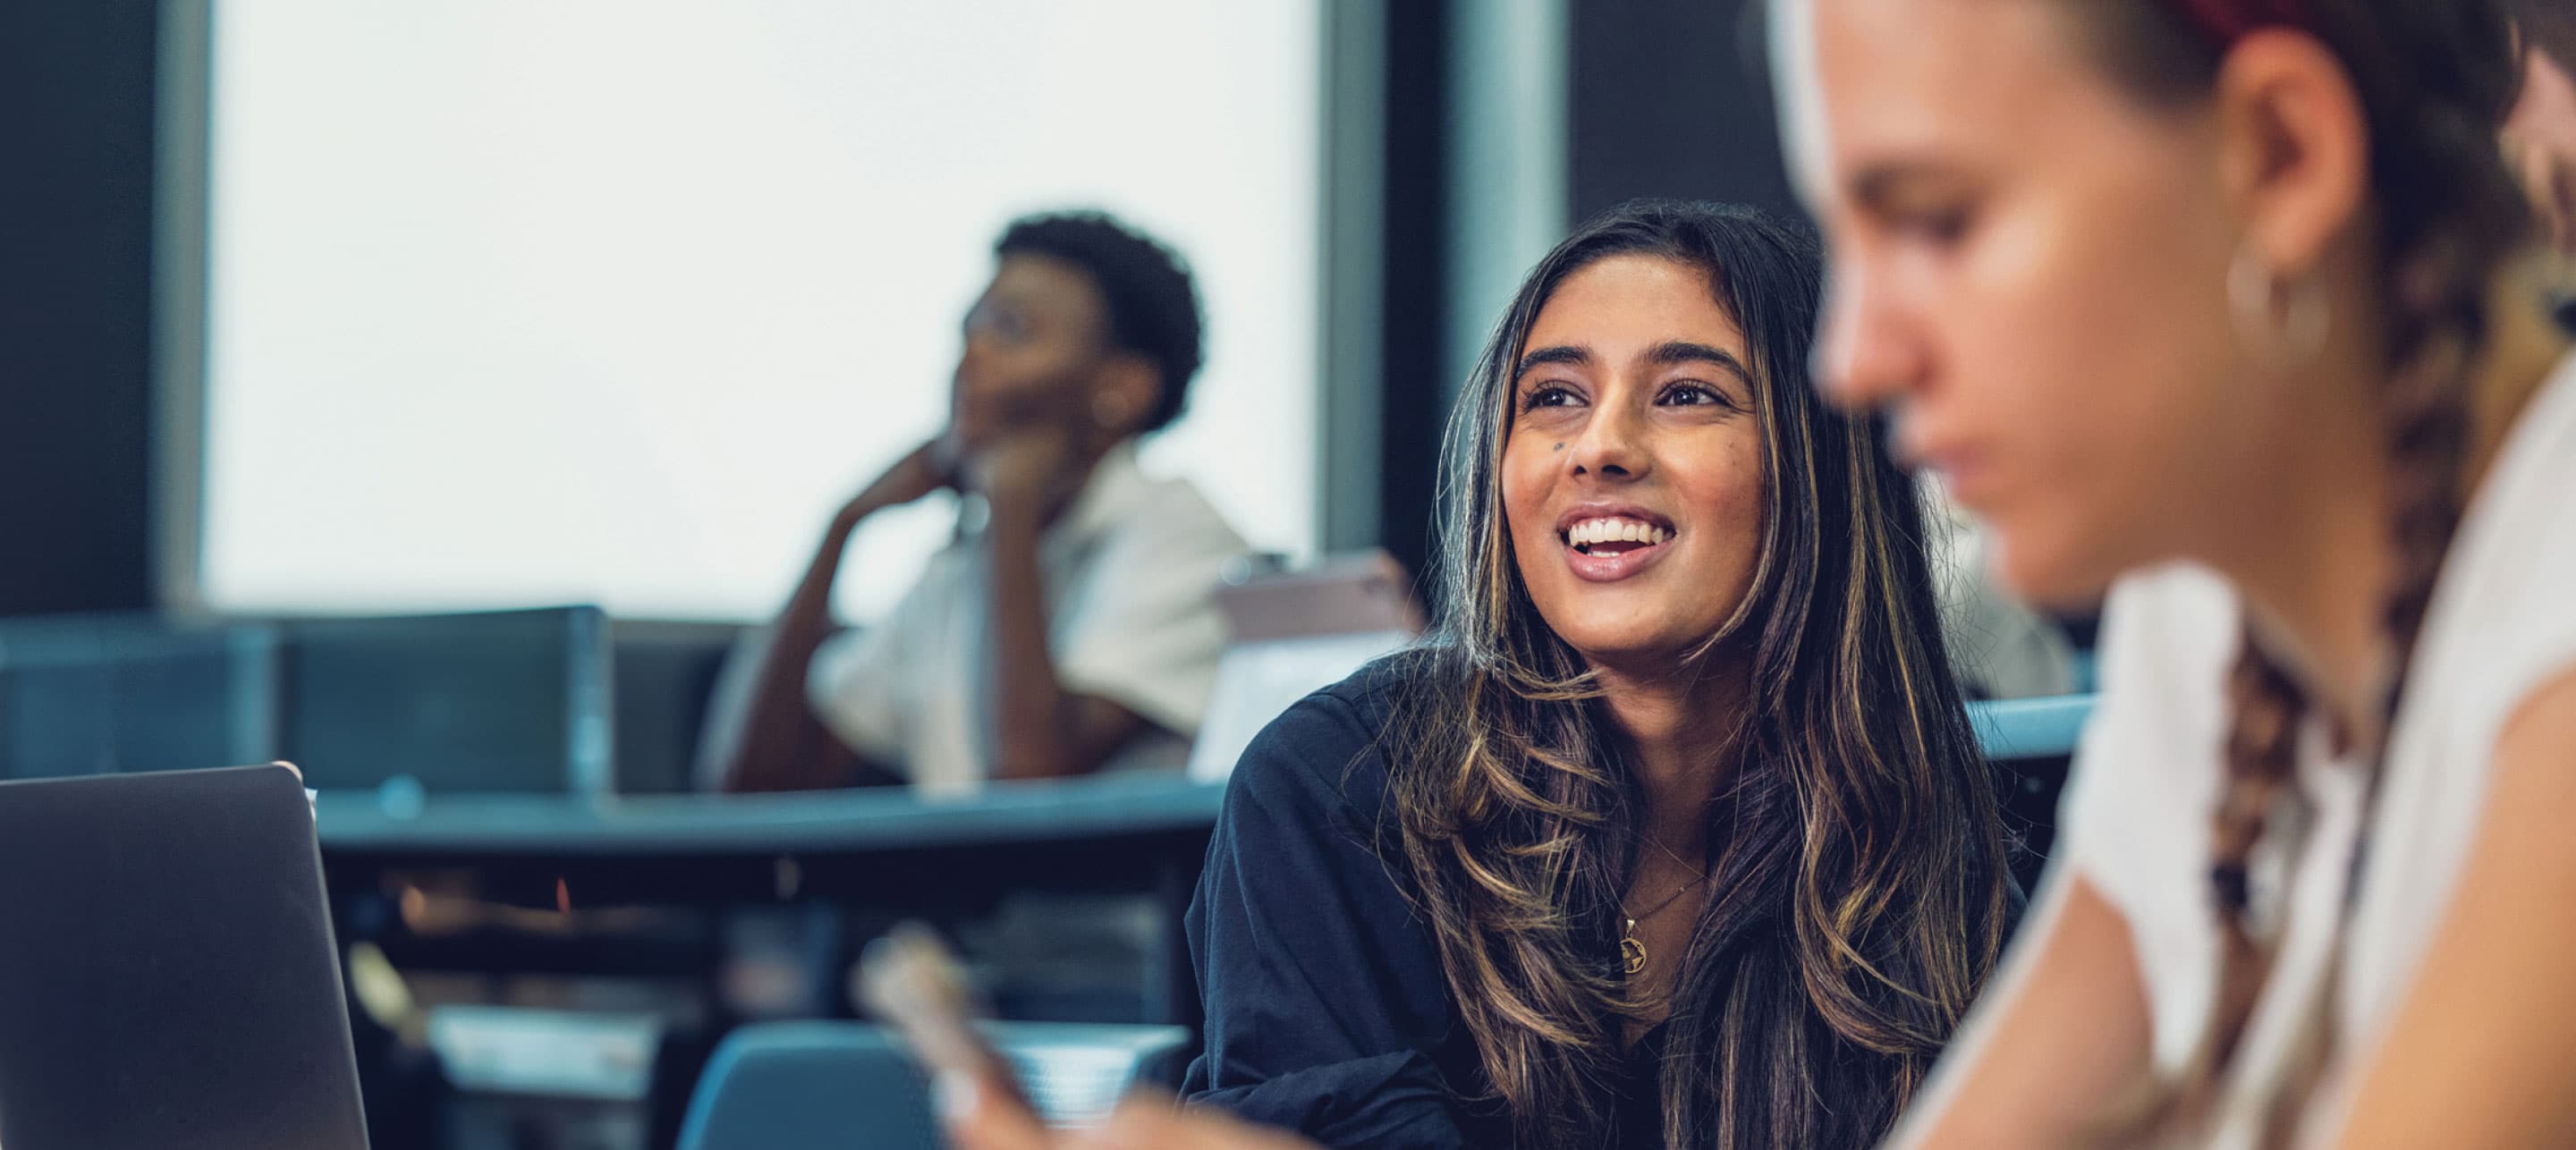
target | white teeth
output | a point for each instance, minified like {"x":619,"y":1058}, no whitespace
{"x":1615,"y":530}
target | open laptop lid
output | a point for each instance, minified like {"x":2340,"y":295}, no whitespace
{"x":168,"y":977}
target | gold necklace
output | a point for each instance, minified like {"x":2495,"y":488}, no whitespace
{"x":1632,"y":950}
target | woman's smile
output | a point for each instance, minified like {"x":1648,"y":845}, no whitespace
{"x":1605,"y":544}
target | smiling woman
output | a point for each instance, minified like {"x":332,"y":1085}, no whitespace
{"x":1676,"y":834}
{"x":1634,"y":369}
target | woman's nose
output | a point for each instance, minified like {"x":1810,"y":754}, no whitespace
{"x":1611,"y":445}
{"x":1863,"y":358}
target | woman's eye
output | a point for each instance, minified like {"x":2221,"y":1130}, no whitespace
{"x":999,"y":325}
{"x":1940,"y":227}
{"x":1548,"y":395}
{"x":1694,"y":395}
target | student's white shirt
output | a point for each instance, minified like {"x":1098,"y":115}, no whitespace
{"x":1129,"y":574}
{"x":2136,"y":817}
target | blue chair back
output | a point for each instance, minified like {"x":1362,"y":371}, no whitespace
{"x":808,"y":1086}
{"x":850,"y":1086}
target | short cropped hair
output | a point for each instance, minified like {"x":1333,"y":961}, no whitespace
{"x":1153,"y":306}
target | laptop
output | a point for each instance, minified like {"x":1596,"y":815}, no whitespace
{"x":168,"y":978}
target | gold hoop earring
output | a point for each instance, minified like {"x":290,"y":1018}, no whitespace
{"x":2286,"y":319}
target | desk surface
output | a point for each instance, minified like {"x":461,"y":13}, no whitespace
{"x":822,"y":821}
{"x":2016,"y":729}
{"x":356,"y":823}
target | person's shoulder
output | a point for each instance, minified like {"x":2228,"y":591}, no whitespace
{"x":1164,"y":511}
{"x":2503,"y":618}
{"x":1375,"y":691}
{"x":1329,"y":750}
{"x":2148,"y":763}
{"x":1156,"y":542}
{"x":2523,"y":503}
{"x":2170,"y":623}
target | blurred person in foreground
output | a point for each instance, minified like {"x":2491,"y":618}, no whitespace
{"x":1070,"y":625}
{"x":2227,"y":307}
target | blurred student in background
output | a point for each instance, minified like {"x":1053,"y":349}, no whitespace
{"x":2540,"y":133}
{"x":2224,"y":305}
{"x":1070,"y":625}
{"x":1677,"y":828}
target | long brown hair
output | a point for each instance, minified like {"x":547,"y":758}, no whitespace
{"x":2434,"y":80}
{"x":1858,"y":889}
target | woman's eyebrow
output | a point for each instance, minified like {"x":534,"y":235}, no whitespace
{"x":1561,"y":353}
{"x":1879,"y":186}
{"x":1680,"y":351}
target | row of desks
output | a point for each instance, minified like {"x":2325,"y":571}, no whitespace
{"x":884,"y":851}
{"x":882,"y":821}
{"x":823,"y":822}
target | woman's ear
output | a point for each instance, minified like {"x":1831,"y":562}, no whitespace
{"x":2295,"y":147}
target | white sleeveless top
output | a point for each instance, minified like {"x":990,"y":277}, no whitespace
{"x":2135,"y":821}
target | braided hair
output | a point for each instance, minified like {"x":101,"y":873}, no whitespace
{"x":2434,"y":80}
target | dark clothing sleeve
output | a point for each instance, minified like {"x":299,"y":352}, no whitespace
{"x":1327,"y":1011}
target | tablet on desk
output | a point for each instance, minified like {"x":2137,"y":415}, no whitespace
{"x":168,"y":977}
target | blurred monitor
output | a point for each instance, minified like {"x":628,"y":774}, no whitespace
{"x":96,"y":695}
{"x":503,"y":701}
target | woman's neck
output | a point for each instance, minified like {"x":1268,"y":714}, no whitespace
{"x":1680,"y":723}
{"x":2317,"y":568}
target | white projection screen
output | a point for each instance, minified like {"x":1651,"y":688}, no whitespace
{"x":614,"y":301}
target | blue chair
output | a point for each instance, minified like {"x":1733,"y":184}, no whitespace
{"x":792,"y":1085}
{"x":851,"y":1086}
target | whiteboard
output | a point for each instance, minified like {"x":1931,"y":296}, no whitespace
{"x":614,"y":302}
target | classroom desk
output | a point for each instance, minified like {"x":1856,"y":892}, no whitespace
{"x":1066,"y":814}
{"x":2026,"y":730}
{"x":883,"y":849}
{"x":881,"y":819}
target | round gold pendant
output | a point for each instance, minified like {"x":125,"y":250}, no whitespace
{"x":1633,"y":954}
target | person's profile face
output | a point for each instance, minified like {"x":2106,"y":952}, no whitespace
{"x":1032,"y":342}
{"x":1632,"y":480}
{"x":2027,"y":269}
